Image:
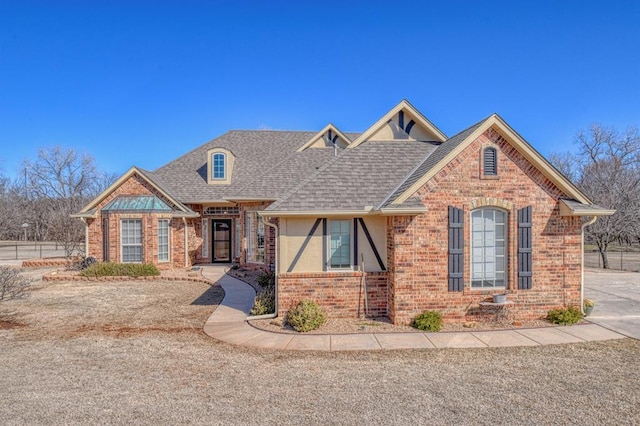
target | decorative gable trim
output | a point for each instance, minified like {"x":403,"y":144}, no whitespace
{"x":522,"y":146}
{"x":326,"y":137}
{"x":398,"y":117}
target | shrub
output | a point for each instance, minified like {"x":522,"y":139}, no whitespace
{"x":12,"y":284}
{"x":265,"y":302}
{"x":428,"y":321}
{"x":110,"y":269}
{"x":88,"y":261}
{"x":564,"y":316}
{"x":267,"y":279}
{"x":306,"y":316}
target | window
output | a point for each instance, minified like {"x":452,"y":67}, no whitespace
{"x":218,"y":169}
{"x":131,"y":240}
{"x":163,"y":240}
{"x":488,"y":248}
{"x":254,"y":231}
{"x":339,"y":244}
{"x":205,"y":237}
{"x":490,"y":159}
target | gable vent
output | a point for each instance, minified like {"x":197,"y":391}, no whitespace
{"x":490,"y":162}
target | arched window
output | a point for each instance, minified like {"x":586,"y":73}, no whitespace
{"x":219,"y":166}
{"x":490,"y":160}
{"x":488,"y":248}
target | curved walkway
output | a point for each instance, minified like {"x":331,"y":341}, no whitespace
{"x":228,"y":323}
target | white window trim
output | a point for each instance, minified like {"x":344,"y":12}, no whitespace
{"x":122,"y":245}
{"x":506,"y":250}
{"x":328,"y":244}
{"x":229,"y":160}
{"x":224,"y":166}
{"x":168,"y":259}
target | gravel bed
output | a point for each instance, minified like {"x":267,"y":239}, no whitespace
{"x":135,"y":353}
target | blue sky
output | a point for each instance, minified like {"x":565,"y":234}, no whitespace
{"x":141,"y":82}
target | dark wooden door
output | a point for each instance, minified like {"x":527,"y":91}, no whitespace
{"x":221,"y":240}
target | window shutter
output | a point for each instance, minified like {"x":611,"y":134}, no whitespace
{"x":524,"y":249}
{"x":490,"y":163}
{"x":456,"y":249}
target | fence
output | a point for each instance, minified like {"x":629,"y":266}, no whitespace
{"x":20,"y":250}
{"x":620,"y":259}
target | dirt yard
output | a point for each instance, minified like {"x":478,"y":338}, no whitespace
{"x":134,"y":352}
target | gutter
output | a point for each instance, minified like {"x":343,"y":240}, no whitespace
{"x":275,"y":274}
{"x":584,"y":225}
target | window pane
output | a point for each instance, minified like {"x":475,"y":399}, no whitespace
{"x":340,"y":244}
{"x":254,"y":232}
{"x":131,"y":240}
{"x":488,"y":248}
{"x":163,"y":240}
{"x":218,"y":166}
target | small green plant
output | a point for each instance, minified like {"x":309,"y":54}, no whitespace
{"x":111,"y":269}
{"x":428,"y":321}
{"x":564,"y":316}
{"x":306,"y":316}
{"x":588,"y":303}
{"x":265,"y":302}
{"x":267,"y":279}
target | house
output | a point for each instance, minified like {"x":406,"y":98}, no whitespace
{"x":395,"y":220}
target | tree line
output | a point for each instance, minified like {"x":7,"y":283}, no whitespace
{"x":48,"y":189}
{"x":606,"y":167}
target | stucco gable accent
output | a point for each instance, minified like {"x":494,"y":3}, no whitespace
{"x":410,"y":112}
{"x":325,"y":137}
{"x":182,"y":210}
{"x":513,"y":138}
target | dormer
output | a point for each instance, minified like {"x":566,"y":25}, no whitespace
{"x":329,"y":137}
{"x":219,"y":166}
{"x":402,"y":123}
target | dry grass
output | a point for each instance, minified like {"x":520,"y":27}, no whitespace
{"x":134,"y":353}
{"x":77,"y":308}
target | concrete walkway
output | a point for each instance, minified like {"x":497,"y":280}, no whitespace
{"x":228,"y":323}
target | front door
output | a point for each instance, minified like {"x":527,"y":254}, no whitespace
{"x":221,"y":240}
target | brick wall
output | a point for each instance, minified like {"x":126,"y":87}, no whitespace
{"x":136,"y":185}
{"x":417,"y":245}
{"x":340,"y":294}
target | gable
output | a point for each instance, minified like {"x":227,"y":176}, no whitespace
{"x":136,"y":188}
{"x":328,"y":137}
{"x":454,"y":147}
{"x":403,"y":123}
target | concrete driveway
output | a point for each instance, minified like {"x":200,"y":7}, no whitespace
{"x":617,"y":297}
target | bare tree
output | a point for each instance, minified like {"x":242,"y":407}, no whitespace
{"x":12,"y":284}
{"x":60,"y":182}
{"x":607,"y":169}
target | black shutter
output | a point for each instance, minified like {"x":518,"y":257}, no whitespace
{"x":490,"y":163}
{"x":456,"y":249}
{"x":524,"y":249}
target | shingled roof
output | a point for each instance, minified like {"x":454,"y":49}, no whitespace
{"x":254,"y":151}
{"x":429,"y":161}
{"x":358,"y":178}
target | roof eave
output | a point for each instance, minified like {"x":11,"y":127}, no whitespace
{"x":584,"y":210}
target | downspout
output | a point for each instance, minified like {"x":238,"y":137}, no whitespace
{"x":186,"y":243}
{"x":584,"y":225}
{"x":275,"y":273}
